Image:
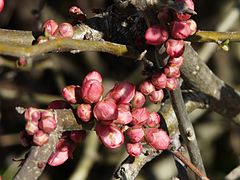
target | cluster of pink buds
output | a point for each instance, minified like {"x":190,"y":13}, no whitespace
{"x":39,"y":124}
{"x":174,"y":28}
{"x":53,"y":30}
{"x":1,"y":5}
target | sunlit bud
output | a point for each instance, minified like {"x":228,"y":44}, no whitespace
{"x":157,"y":138}
{"x":159,"y":80}
{"x":192,"y":25}
{"x":180,"y":30}
{"x":138,"y":100}
{"x":71,"y":93}
{"x":105,"y":110}
{"x":32,"y":114}
{"x":140,"y":116}
{"x":84,"y":112}
{"x":146,"y":87}
{"x":40,"y":138}
{"x":156,"y":96}
{"x":184,"y":16}
{"x":110,"y":136}
{"x":176,"y":61}
{"x":94,"y":75}
{"x":47,"y":124}
{"x":134,"y":149}
{"x":175,"y":48}
{"x":59,"y":104}
{"x":78,"y":136}
{"x":171,"y":84}
{"x":25,"y":138}
{"x":135,"y":134}
{"x":153,"y":120}
{"x":156,"y":35}
{"x":122,"y":92}
{"x":124,"y":115}
{"x":172,"y":71}
{"x":31,"y":127}
{"x":92,"y":91}
{"x":49,"y":27}
{"x":65,"y":30}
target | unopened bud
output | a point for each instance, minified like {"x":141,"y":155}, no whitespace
{"x":172,"y":84}
{"x":49,"y":27}
{"x":135,"y":134}
{"x":159,"y":80}
{"x":156,"y":35}
{"x":84,"y":112}
{"x":153,"y":120}
{"x":180,"y":30}
{"x":31,"y":127}
{"x":78,"y":136}
{"x":175,"y":48}
{"x":124,"y":115}
{"x":40,"y":138}
{"x":140,"y":116}
{"x":92,"y":91}
{"x":138,"y":100}
{"x":71,"y":93}
{"x":94,"y":75}
{"x":47,"y":124}
{"x":32,"y":114}
{"x":176,"y":61}
{"x":65,"y":30}
{"x":156,"y":96}
{"x":146,"y":87}
{"x":134,"y":149}
{"x":172,"y":71}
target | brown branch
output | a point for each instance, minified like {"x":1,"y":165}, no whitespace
{"x":37,"y":159}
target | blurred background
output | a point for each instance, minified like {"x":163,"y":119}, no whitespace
{"x":218,"y":137}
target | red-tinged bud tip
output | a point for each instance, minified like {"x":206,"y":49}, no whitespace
{"x":106,"y":110}
{"x":94,"y":75}
{"x":71,"y":93}
{"x":1,"y":5}
{"x":78,"y":136}
{"x":49,"y":27}
{"x":153,"y":120}
{"x":47,"y":124}
{"x":32,"y":114}
{"x":180,"y":30}
{"x":146,"y":87}
{"x":157,"y":138}
{"x":156,"y":96}
{"x":122,"y":92}
{"x":84,"y":112}
{"x":134,"y":149}
{"x":92,"y":91}
{"x":140,"y":116}
{"x":40,"y":138}
{"x":159,"y":80}
{"x":138,"y":100}
{"x":156,"y":35}
{"x":135,"y":134}
{"x":175,"y":48}
{"x":110,"y":136}
{"x":65,"y":30}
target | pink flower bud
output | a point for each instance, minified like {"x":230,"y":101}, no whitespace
{"x":176,"y":61}
{"x":110,"y":136}
{"x":59,"y":104}
{"x":58,"y":158}
{"x":135,"y":134}
{"x":159,"y":80}
{"x":140,"y":116}
{"x":25,"y":138}
{"x":138,"y":100}
{"x":153,"y":120}
{"x":157,"y":138}
{"x":180,"y":30}
{"x":78,"y":136}
{"x":184,"y":16}
{"x":47,"y":113}
{"x":71,"y":93}
{"x":175,"y":48}
{"x":172,"y":71}
{"x":124,"y":106}
{"x":124,"y":115}
{"x":146,"y":87}
{"x":32,"y":114}
{"x":84,"y":112}
{"x":156,"y":96}
{"x":192,"y":25}
{"x":47,"y":124}
{"x":31,"y":127}
{"x":92,"y":91}
{"x":156,"y":35}
{"x":105,"y":110}
{"x":40,"y":138}
{"x":172,"y":84}
{"x":94,"y":75}
{"x":1,"y":5}
{"x":122,"y":92}
{"x":49,"y":27}
{"x":65,"y":30}
{"x":134,"y":149}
